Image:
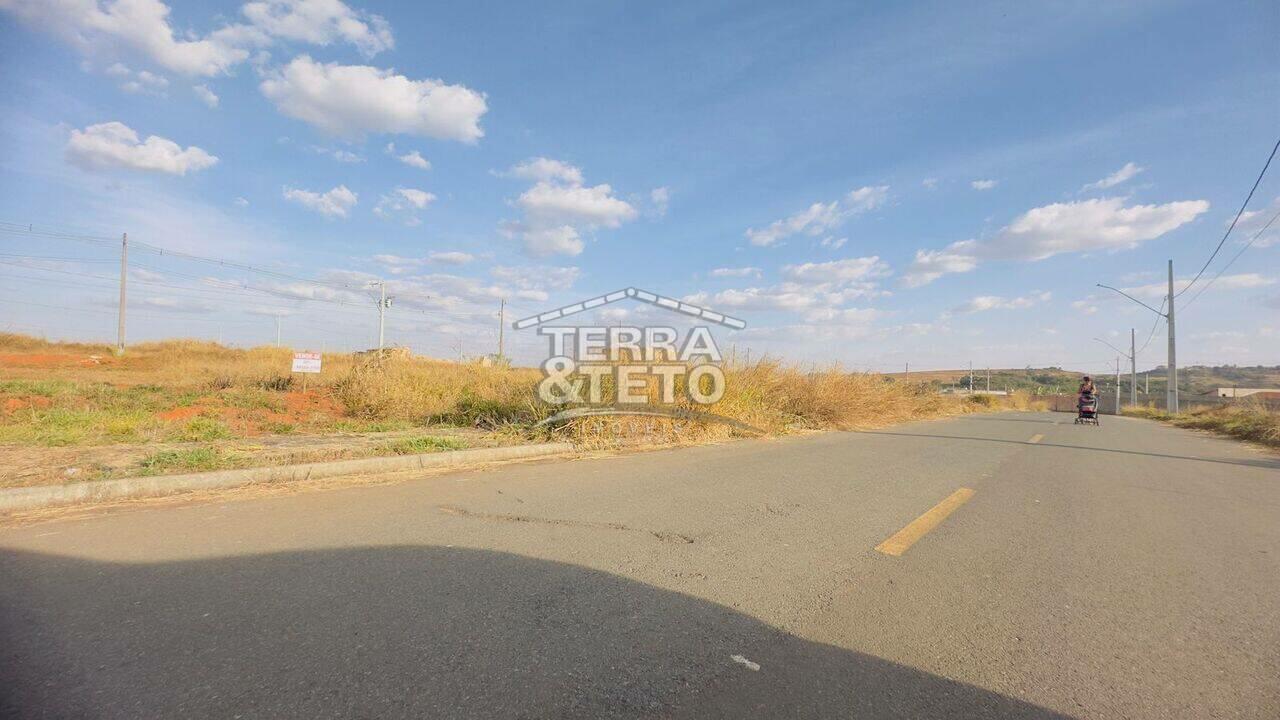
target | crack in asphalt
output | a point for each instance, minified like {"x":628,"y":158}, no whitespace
{"x":664,"y":536}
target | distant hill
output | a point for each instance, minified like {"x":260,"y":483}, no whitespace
{"x":1196,"y":380}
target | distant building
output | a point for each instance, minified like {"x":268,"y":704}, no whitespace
{"x":1233,"y":392}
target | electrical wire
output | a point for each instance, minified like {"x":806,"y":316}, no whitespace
{"x":1235,"y":220}
{"x":1231,"y":261}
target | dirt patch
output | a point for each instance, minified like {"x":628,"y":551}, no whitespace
{"x":38,"y":360}
{"x":15,"y":404}
{"x":312,"y":401}
{"x":181,"y":413}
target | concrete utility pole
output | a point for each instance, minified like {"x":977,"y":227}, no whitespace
{"x":124,"y":272}
{"x":988,"y":379}
{"x":382,"y":313}
{"x":971,"y":377}
{"x":1133,"y":368}
{"x":1171,"y":397}
{"x":1117,"y":384}
{"x":502,"y":321}
{"x":1171,"y":392}
{"x":277,"y":330}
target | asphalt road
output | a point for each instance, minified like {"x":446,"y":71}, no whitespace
{"x":1127,"y":571}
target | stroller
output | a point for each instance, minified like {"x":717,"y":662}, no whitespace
{"x":1087,"y":407}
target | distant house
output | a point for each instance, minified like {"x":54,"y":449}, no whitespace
{"x":1232,"y":392}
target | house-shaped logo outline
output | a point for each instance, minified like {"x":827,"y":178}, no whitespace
{"x":661,"y":301}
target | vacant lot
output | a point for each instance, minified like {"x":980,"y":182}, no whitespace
{"x":71,"y":411}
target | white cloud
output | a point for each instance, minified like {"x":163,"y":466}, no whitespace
{"x":983,"y":184}
{"x":321,"y":22}
{"x":351,"y":100}
{"x":983,"y":303}
{"x":820,"y":218}
{"x":552,"y":204}
{"x":334,"y":203}
{"x":403,"y":203}
{"x":415,"y":159}
{"x":929,"y":265}
{"x":170,"y":304}
{"x":116,"y":145}
{"x":838,"y":272}
{"x":1239,"y":281}
{"x":541,"y":169}
{"x":1085,"y":306}
{"x":661,"y":198}
{"x":1073,"y":227}
{"x":1123,"y":174}
{"x":241,"y":202}
{"x":929,"y":183}
{"x":1255,"y":222}
{"x":540,"y":242}
{"x":558,"y":208}
{"x":737,"y":272}
{"x":206,"y":95}
{"x":451,"y":257}
{"x":833,"y":243}
{"x":141,"y":82}
{"x":537,"y":277}
{"x":142,"y":27}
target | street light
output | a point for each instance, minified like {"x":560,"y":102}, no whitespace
{"x":1171,"y":397}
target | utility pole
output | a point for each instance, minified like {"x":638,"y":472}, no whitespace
{"x":1171,"y":392}
{"x":1133,"y":369}
{"x":970,"y":377}
{"x":277,"y":330}
{"x":502,"y":321}
{"x":1117,"y":384}
{"x":124,"y":272}
{"x":988,"y":379}
{"x":382,"y":313}
{"x":1146,"y":384}
{"x":1171,"y":398}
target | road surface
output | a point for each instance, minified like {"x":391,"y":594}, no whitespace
{"x":1027,"y":568}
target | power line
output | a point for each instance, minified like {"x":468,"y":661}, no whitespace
{"x":1231,"y":261}
{"x":1233,"y":221}
{"x":1154,"y":325}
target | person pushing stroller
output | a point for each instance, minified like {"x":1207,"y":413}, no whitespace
{"x":1087,"y":401}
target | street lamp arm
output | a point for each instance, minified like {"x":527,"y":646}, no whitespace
{"x":1123,"y":354}
{"x":1133,"y":299}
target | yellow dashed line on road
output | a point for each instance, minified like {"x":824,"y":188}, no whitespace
{"x":1036,"y":438}
{"x":902,"y":540}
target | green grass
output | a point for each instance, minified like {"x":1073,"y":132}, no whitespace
{"x":422,"y":444}
{"x":201,"y":429}
{"x":194,"y":459}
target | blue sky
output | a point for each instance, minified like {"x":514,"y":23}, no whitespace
{"x":933,"y":183}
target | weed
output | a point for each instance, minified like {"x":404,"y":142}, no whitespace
{"x":201,"y":429}
{"x":422,"y":444}
{"x":201,"y":458}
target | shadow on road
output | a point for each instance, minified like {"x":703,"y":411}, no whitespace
{"x":1259,"y":463}
{"x":418,"y":632}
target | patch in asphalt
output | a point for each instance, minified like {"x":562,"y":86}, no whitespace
{"x":502,"y":517}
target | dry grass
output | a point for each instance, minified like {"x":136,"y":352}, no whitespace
{"x":1244,"y":420}
{"x":185,"y":390}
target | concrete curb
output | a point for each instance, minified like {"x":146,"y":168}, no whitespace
{"x":30,"y":498}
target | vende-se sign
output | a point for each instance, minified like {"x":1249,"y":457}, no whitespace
{"x":306,"y":362}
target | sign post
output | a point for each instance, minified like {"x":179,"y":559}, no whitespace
{"x":306,"y":363}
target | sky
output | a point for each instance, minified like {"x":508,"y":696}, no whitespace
{"x":871,"y":184}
